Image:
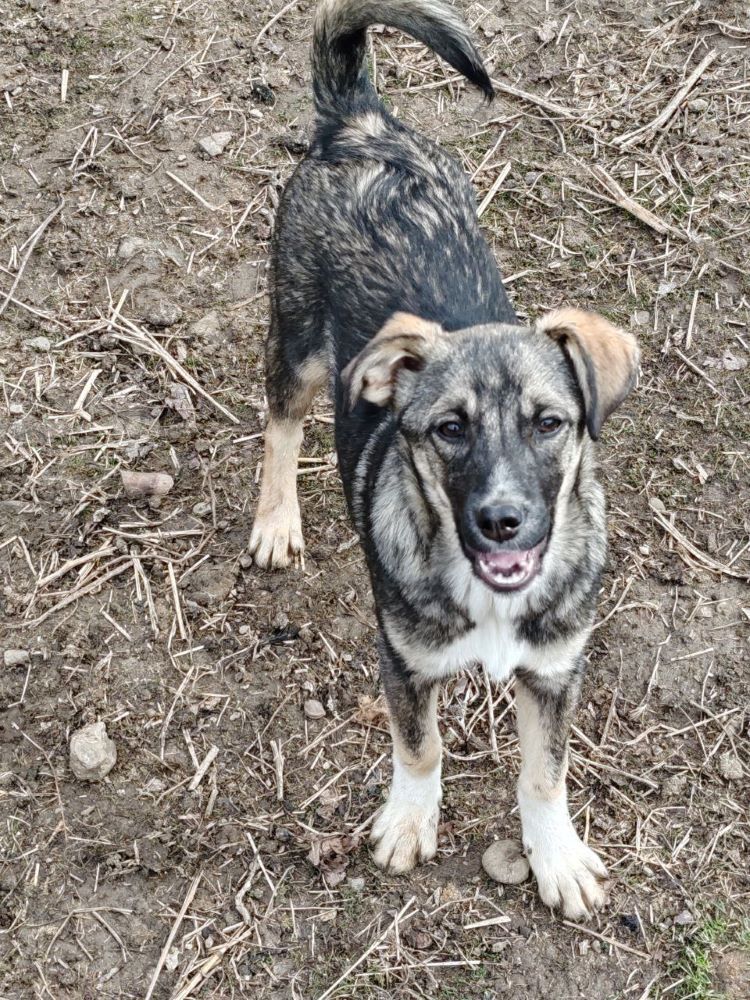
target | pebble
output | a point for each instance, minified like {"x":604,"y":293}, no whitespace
{"x":698,"y":104}
{"x":674,"y":786}
{"x":41,"y":344}
{"x":158,"y":311}
{"x":730,"y":766}
{"x":16,"y":657}
{"x":357,"y":884}
{"x":208,"y":327}
{"x":504,"y":862}
{"x":684,"y":918}
{"x":314,"y":709}
{"x":547,"y":31}
{"x":215,"y":144}
{"x":130,"y":246}
{"x":92,"y":752}
{"x":145,"y":484}
{"x":211,"y":583}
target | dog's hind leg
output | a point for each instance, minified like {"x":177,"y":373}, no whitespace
{"x":296,"y":368}
{"x":405,"y":831}
{"x":569,"y":874}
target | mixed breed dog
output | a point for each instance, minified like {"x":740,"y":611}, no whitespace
{"x":464,"y":438}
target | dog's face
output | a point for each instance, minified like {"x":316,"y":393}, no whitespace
{"x":495,"y":419}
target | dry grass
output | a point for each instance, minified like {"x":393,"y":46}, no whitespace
{"x":224,"y":854}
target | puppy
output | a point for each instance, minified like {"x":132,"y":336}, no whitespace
{"x":464,"y":438}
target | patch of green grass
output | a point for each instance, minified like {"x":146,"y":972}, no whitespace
{"x":459,"y":985}
{"x":694,"y":967}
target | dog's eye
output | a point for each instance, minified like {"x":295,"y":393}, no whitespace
{"x":451,"y":430}
{"x":548,"y":425}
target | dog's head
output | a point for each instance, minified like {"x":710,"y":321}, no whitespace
{"x":496,"y":420}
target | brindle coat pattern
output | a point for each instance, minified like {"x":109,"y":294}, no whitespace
{"x":382,"y":277}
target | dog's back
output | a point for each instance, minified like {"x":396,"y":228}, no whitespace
{"x":393,"y":214}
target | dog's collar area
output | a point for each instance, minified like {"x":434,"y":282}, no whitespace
{"x":508,"y":570}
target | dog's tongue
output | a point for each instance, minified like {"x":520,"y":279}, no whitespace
{"x":509,"y":570}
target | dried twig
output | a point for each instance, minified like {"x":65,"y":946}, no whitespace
{"x":30,"y":244}
{"x":663,"y":117}
{"x":368,"y":951}
{"x":192,"y":889}
{"x":702,"y":557}
{"x":624,"y":201}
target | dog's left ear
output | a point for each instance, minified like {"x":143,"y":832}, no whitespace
{"x":403,"y":343}
{"x":605,"y":360}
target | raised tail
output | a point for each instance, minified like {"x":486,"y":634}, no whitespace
{"x":340,"y":80}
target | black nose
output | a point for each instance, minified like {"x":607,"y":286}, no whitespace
{"x":499,"y":523}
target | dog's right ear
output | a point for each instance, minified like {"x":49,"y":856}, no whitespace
{"x":403,"y":343}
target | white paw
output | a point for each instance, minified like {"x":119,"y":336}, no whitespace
{"x":405,"y":830}
{"x":403,"y":835}
{"x":569,"y":874}
{"x":276,"y":538}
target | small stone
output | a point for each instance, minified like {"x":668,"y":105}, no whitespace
{"x":158,"y":311}
{"x":698,"y":104}
{"x":658,"y":505}
{"x":130,"y":246}
{"x":730,"y":767}
{"x":356,"y":884}
{"x":547,"y":31}
{"x":684,"y":918}
{"x":208,"y":327}
{"x":92,"y":753}
{"x":211,"y":583}
{"x":40,"y":344}
{"x":490,"y":25}
{"x":16,"y":657}
{"x":15,"y":409}
{"x":281,"y":621}
{"x":145,"y":484}
{"x":314,"y":709}
{"x":179,"y":400}
{"x":201,"y":508}
{"x":674,"y":786}
{"x":504,"y":862}
{"x":215,"y":144}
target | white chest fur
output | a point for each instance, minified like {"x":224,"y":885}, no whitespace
{"x":494,"y":642}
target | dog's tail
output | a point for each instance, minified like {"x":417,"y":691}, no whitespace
{"x":340,"y":80}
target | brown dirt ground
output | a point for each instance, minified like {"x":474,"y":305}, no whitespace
{"x":188,"y":650}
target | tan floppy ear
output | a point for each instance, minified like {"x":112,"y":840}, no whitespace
{"x":404,"y":342}
{"x":605,"y":359}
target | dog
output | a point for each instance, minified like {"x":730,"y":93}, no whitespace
{"x":464,"y":438}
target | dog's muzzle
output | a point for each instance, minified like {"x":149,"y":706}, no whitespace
{"x":509,"y":570}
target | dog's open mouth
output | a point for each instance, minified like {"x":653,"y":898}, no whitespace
{"x":509,"y":570}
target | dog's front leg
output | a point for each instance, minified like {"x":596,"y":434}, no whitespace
{"x":405,"y":831}
{"x":569,"y":874}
